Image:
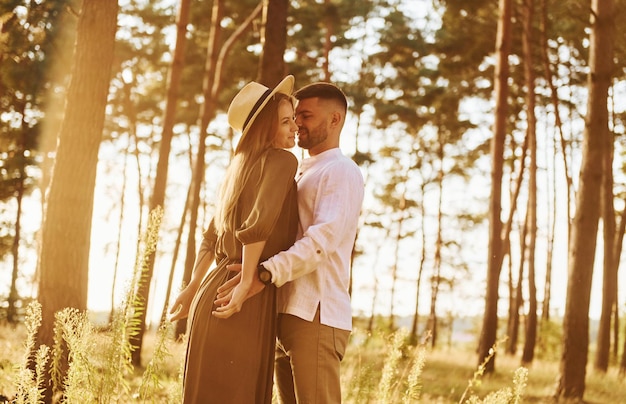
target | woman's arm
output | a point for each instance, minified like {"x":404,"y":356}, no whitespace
{"x":251,"y":254}
{"x":206,"y":255}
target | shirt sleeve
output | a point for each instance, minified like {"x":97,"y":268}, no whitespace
{"x":337,"y":208}
{"x":277,"y":178}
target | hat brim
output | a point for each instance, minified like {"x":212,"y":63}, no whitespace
{"x":285,"y":87}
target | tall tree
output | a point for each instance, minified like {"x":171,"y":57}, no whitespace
{"x":317,"y":29}
{"x":437,"y":278}
{"x":571,"y":384}
{"x":609,"y":273}
{"x":554,"y":99}
{"x":215,"y":66}
{"x":30,"y":33}
{"x":274,"y":42}
{"x":67,"y":225}
{"x":136,"y":99}
{"x":160,"y":180}
{"x":617,"y":252}
{"x":494,"y":257}
{"x":206,"y":111}
{"x":408,"y":83}
{"x":516,"y":299}
{"x":516,"y":296}
{"x":413,"y":336}
{"x":528,"y":13}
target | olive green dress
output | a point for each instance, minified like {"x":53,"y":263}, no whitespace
{"x":232,"y":360}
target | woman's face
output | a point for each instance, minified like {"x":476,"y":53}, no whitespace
{"x":286,"y":134}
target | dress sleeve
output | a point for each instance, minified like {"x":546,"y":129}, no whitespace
{"x":209,"y":238}
{"x":277,"y":178}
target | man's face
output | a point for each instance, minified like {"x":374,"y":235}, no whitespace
{"x":311,"y":118}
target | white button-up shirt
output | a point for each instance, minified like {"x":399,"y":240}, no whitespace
{"x":316,"y":269}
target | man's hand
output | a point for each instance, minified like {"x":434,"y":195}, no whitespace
{"x":226,"y":288}
{"x":232,"y":294}
{"x":180,"y":307}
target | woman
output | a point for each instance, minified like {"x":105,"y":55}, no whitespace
{"x":232,"y":360}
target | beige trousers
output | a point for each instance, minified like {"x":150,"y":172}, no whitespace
{"x":308,"y":360}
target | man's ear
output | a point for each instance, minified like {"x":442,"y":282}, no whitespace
{"x":335,"y":118}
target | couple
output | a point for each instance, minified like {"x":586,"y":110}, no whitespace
{"x":234,"y":347}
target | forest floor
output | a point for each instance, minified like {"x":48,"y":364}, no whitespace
{"x":444,"y":378}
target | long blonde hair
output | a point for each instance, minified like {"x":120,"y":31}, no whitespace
{"x":251,"y":148}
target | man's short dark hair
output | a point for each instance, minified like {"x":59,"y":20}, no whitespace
{"x":325,"y":91}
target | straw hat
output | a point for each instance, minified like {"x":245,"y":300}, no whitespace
{"x":251,"y":99}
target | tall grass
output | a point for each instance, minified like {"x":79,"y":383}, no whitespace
{"x":400,"y":380}
{"x":29,"y":383}
{"x":99,"y":367}
{"x":379,"y":367}
{"x":99,"y":372}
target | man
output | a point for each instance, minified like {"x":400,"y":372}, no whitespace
{"x":315,"y":317}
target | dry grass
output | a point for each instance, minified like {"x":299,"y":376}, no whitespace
{"x":167,"y":376}
{"x":448,"y":371}
{"x":378,"y":368}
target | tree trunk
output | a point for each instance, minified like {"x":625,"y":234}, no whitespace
{"x":329,"y":25}
{"x":557,"y":115}
{"x":274,"y":41}
{"x":510,"y":348}
{"x":130,"y":112}
{"x":394,"y":268}
{"x":622,"y":362}
{"x":545,"y":309}
{"x":609,"y":276}
{"x":160,"y":180}
{"x":206,"y":114}
{"x":12,"y":316}
{"x":571,"y":384}
{"x":551,"y":208}
{"x":120,"y":226}
{"x":370,"y":325}
{"x":211,"y":87}
{"x":67,"y":224}
{"x":531,"y":212}
{"x":517,"y":301}
{"x":494,"y":258}
{"x":436,"y":279}
{"x":617,"y":253}
{"x":177,"y":243}
{"x":420,"y":269}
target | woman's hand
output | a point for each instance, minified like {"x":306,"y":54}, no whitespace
{"x":180,"y":307}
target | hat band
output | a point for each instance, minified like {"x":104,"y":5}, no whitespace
{"x":255,"y":107}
